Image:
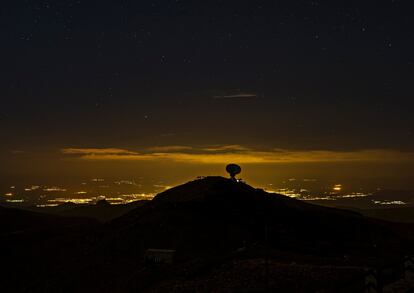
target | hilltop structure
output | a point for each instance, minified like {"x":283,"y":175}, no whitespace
{"x":233,"y":170}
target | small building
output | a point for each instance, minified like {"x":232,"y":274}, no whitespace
{"x":159,"y":256}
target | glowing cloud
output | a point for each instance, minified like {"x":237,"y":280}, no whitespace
{"x":172,"y":148}
{"x":239,"y":154}
{"x":225,"y":148}
{"x":96,"y":151}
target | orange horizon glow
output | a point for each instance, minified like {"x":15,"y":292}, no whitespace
{"x":236,"y":153}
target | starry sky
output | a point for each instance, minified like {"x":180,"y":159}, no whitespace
{"x":199,"y":83}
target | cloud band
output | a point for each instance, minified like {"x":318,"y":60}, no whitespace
{"x":236,"y":153}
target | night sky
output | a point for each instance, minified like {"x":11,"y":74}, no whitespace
{"x":184,"y":83}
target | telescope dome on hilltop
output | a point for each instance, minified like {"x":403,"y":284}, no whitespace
{"x":233,"y":170}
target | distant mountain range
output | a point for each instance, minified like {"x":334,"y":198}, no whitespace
{"x":102,"y":210}
{"x":226,"y":236}
{"x":381,"y":199}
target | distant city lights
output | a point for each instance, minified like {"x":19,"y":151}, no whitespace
{"x":54,"y":188}
{"x":124,"y":191}
{"x":394,"y":202}
{"x":15,"y":200}
{"x":32,"y":188}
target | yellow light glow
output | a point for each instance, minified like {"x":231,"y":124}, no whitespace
{"x":73,"y":200}
{"x":243,"y":155}
{"x":15,"y":200}
{"x":286,"y":192}
{"x":50,"y":189}
{"x":31,"y":188}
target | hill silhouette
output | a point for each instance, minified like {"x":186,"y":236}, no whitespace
{"x":21,"y":222}
{"x":210,"y":220}
{"x":215,"y":212}
{"x":221,"y":231}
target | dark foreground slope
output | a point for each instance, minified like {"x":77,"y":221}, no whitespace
{"x":222,"y":232}
{"x":214,"y":221}
{"x":395,"y":214}
{"x":36,"y":248}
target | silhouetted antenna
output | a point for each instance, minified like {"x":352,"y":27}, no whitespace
{"x":233,"y":170}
